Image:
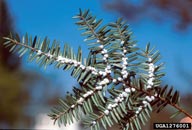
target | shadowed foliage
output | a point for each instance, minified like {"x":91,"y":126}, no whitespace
{"x":158,"y":10}
{"x":14,"y":94}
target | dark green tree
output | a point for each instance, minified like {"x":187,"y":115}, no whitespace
{"x":14,"y":93}
{"x":119,"y":82}
{"x":9,"y":63}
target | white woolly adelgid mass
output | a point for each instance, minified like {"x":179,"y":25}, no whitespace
{"x":119,"y":83}
{"x":150,"y":74}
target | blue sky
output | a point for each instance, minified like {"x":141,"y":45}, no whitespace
{"x":54,"y":19}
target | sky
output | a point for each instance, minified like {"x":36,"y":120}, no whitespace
{"x":54,"y":19}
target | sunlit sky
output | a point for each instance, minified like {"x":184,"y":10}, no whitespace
{"x":54,"y":19}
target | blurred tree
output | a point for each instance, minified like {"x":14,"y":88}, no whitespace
{"x":12,"y":95}
{"x":9,"y":60}
{"x":14,"y":92}
{"x":16,"y":85}
{"x":158,"y":10}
